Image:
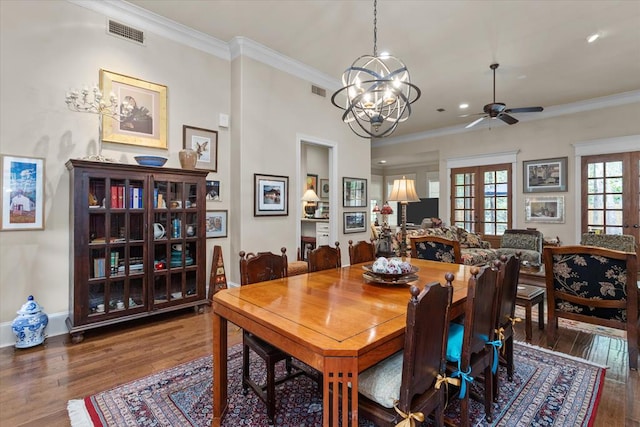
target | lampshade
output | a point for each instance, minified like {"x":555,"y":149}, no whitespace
{"x":404,"y":190}
{"x":376,"y":208}
{"x":310,"y":196}
{"x":377,"y":92}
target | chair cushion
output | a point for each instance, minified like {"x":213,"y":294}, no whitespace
{"x":297,"y":267}
{"x":454,"y":342}
{"x":381,"y":382}
{"x":519,"y":241}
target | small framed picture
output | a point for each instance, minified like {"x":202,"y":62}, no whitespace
{"x":216,"y":224}
{"x":271,"y":195}
{"x":213,"y":191}
{"x":544,"y":209}
{"x":22,"y":193}
{"x":143,"y":111}
{"x":205,"y":143}
{"x":546,"y":175}
{"x":354,"y":192}
{"x":324,"y":189}
{"x":355,"y":222}
{"x":312,"y":182}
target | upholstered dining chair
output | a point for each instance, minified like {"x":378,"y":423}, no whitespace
{"x":436,"y":248}
{"x":361,"y":252}
{"x":593,"y":285}
{"x":472,"y":350}
{"x":408,"y":379}
{"x":507,"y":291}
{"x":253,"y":269}
{"x":324,"y":257}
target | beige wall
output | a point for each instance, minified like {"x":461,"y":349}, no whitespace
{"x":537,"y":139}
{"x":49,"y":47}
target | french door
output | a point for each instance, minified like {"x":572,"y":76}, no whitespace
{"x":481,"y":198}
{"x":611,"y":194}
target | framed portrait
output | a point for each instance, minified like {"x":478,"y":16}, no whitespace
{"x":355,"y":222}
{"x":216,"y":224}
{"x":213,"y":191}
{"x":549,"y":209}
{"x":354,"y":192}
{"x":271,"y":195}
{"x":312,"y":182}
{"x":22,"y":193}
{"x":205,"y":143}
{"x":142,"y":112}
{"x":545,"y":175}
{"x":324,"y":189}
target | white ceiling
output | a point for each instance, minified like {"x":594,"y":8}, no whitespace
{"x":447,"y":46}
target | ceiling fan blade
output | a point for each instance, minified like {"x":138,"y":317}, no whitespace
{"x":475,"y":122}
{"x":473,"y":114}
{"x":524,"y":110}
{"x":507,"y":119}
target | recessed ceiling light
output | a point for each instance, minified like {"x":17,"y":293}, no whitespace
{"x":463,"y":106}
{"x":382,"y":162}
{"x":593,"y":37}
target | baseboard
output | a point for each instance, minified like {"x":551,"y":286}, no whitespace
{"x":56,"y":326}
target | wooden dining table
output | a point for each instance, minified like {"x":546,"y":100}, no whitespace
{"x":333,"y":320}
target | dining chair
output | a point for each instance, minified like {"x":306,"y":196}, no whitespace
{"x":324,"y":257}
{"x":436,"y":248}
{"x":256,"y":268}
{"x":508,"y":279}
{"x":405,"y":385}
{"x":593,"y":285}
{"x":617,"y":242}
{"x":472,"y":350}
{"x":361,"y":252}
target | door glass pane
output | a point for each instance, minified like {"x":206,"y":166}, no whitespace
{"x":595,"y":217}
{"x":502,"y":216}
{"x":613,"y":185}
{"x":502,"y":202}
{"x":595,"y":186}
{"x":614,"y":217}
{"x":614,"y":201}
{"x":595,"y":202}
{"x":614,"y":169}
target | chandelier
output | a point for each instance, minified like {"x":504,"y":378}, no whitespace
{"x":378,"y":92}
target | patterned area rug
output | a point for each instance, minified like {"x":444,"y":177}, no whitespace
{"x":548,"y":389}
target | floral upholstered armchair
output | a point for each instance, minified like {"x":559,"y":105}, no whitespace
{"x":527,"y":242}
{"x":618,"y":242}
{"x":436,"y":248}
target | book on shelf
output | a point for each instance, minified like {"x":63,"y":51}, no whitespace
{"x":98,"y":267}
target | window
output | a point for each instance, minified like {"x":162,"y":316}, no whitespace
{"x":481,"y":198}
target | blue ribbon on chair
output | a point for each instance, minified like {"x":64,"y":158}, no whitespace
{"x":465,"y":378}
{"x":496,"y":345}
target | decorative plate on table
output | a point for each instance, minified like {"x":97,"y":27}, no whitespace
{"x":402,"y":280}
{"x":389,"y":278}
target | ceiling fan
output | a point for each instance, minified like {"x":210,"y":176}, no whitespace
{"x":498,"y":110}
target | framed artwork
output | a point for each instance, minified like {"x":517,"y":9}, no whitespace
{"x":205,"y":143}
{"x":22,"y":193}
{"x":216,"y":224}
{"x":312,"y":182}
{"x":213,"y":191}
{"x":549,"y":209}
{"x":324,"y":188}
{"x":271,"y":195}
{"x":143,"y":111}
{"x":545,"y":175}
{"x":355,"y":222}
{"x":354,"y":192}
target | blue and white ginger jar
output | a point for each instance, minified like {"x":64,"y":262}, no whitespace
{"x":29,"y":326}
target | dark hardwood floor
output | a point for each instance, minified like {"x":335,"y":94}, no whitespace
{"x":36,"y":383}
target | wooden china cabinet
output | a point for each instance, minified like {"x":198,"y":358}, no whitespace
{"x":138,"y":243}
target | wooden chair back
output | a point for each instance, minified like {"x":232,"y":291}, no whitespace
{"x":507,"y":289}
{"x":325,"y":257}
{"x":593,"y":285}
{"x":436,"y":248}
{"x":262,"y":267}
{"x":361,"y":252}
{"x":425,"y":341}
{"x":480,"y":313}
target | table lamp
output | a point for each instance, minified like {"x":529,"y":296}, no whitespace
{"x":404,"y":191}
{"x":311,"y":198}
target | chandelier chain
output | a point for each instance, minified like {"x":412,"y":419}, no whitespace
{"x":375,"y":28}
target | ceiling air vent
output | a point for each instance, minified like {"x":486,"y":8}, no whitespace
{"x":126,"y":32}
{"x":318,"y":91}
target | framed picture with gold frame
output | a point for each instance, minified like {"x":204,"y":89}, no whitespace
{"x":143,"y":111}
